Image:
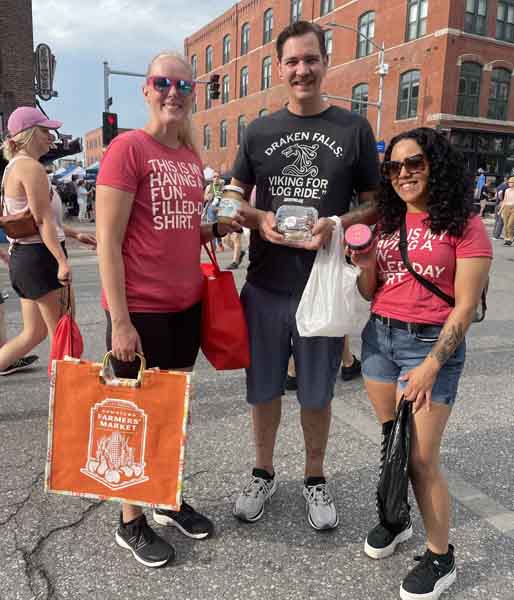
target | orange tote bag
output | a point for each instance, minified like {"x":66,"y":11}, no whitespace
{"x":117,"y":439}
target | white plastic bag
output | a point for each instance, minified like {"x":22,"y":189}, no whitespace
{"x":328,"y":304}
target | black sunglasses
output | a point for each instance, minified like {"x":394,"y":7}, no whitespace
{"x":412,"y":164}
{"x":163,"y":84}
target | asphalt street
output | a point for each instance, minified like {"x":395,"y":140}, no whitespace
{"x":55,"y":548}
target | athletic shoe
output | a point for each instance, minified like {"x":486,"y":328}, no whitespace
{"x":232,"y":266}
{"x":507,"y":243}
{"x":186,"y":520}
{"x":4,"y":295}
{"x":321,"y":510}
{"x":351,"y":372}
{"x":241,"y":256}
{"x":249,"y":506}
{"x":431,"y":577}
{"x":147,"y":547}
{"x":291,"y":384}
{"x":20,"y":364}
{"x":381,"y":543}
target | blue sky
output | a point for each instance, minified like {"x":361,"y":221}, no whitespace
{"x":127,"y":34}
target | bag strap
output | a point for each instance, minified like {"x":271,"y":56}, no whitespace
{"x":211,"y":253}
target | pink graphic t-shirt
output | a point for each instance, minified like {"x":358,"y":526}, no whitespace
{"x":433,"y":256}
{"x":161,"y":249}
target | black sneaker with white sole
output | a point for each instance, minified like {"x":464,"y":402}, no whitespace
{"x":147,"y":547}
{"x":434,"y":574}
{"x":186,"y":520}
{"x":19,"y":365}
{"x":381,"y":543}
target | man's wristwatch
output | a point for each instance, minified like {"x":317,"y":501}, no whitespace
{"x":216,"y":233}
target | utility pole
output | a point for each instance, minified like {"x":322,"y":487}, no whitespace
{"x":108,"y":71}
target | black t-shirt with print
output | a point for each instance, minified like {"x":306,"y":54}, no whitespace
{"x":315,"y":161}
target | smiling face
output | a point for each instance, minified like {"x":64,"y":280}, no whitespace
{"x":168,"y":107}
{"x":302,"y":70}
{"x":411,"y":184}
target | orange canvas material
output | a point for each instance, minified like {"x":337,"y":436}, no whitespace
{"x":117,"y":442}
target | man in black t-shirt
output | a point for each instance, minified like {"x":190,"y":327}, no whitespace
{"x":308,"y":154}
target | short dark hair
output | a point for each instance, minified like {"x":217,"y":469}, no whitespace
{"x":296,"y":30}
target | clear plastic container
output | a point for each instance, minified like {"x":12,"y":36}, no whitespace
{"x":295,"y":223}
{"x":230,"y":203}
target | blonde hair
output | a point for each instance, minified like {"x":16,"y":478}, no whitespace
{"x":185,"y":133}
{"x":12,"y":145}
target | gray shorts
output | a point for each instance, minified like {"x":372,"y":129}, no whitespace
{"x":271,"y":319}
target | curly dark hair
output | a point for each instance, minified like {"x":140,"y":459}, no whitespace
{"x":450,"y":186}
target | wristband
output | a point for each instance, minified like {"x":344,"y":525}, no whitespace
{"x":216,"y":233}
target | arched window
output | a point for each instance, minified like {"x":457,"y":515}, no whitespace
{"x":225,"y":90}
{"x":417,"y":19}
{"x":207,"y":137}
{"x":245,"y":38}
{"x":208,"y":99}
{"x":223,"y":134}
{"x":208,"y":58}
{"x":468,"y":99}
{"x":366,"y":30}
{"x":194,"y":65}
{"x":226,"y":49}
{"x":241,"y":126}
{"x":264,"y":112}
{"x":243,"y":83}
{"x":408,"y":95}
{"x":475,"y":17}
{"x":499,"y":94}
{"x":266,"y":73}
{"x":296,"y":10}
{"x":326,"y":7}
{"x":360,"y":99}
{"x":268,"y":26}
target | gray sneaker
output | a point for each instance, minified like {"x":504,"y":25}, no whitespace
{"x":249,"y":506}
{"x":321,"y":510}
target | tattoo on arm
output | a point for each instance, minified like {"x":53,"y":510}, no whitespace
{"x":448,"y":341}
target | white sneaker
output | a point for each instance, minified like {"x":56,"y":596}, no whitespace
{"x":249,"y":506}
{"x":321,"y":510}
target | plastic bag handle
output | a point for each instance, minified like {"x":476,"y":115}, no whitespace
{"x":211,"y":253}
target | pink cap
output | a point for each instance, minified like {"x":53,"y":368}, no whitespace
{"x":26,"y":117}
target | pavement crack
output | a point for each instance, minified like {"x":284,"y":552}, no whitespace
{"x":19,"y":506}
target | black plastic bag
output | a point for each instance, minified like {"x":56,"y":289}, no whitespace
{"x":393,"y":486}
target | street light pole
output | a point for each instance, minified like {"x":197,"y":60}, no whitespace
{"x":108,"y":71}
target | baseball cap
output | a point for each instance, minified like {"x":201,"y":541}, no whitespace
{"x":26,"y":117}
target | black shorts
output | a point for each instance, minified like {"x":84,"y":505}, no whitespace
{"x":33,"y":270}
{"x":170,"y":340}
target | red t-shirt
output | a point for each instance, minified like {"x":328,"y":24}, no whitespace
{"x":433,"y":256}
{"x":161,"y":248}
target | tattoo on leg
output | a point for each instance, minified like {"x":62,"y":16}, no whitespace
{"x":448,"y":341}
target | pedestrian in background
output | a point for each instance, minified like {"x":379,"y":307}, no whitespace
{"x":507,"y":212}
{"x":414,"y":343}
{"x":498,"y":221}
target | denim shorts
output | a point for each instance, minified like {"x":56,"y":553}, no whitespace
{"x":388,"y":353}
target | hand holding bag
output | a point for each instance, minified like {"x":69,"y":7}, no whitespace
{"x":224,"y":331}
{"x":67,"y":340}
{"x":328,"y":304}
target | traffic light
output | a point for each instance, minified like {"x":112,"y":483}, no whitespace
{"x":109,"y":127}
{"x":214,"y":86}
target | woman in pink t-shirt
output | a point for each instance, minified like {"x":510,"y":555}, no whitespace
{"x":148,"y":206}
{"x":414,"y":344}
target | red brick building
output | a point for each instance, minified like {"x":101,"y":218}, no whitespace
{"x":93,"y":145}
{"x":450,"y":66}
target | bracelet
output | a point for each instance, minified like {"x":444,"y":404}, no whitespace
{"x":216,"y":233}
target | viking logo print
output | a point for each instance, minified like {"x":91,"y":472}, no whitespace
{"x":117,"y":440}
{"x":304,"y":156}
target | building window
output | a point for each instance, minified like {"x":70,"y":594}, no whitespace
{"x":326,"y":7}
{"x":329,"y":44}
{"x":475,"y":19}
{"x":360,"y":99}
{"x":499,"y":94}
{"x":195,"y":105}
{"x":208,"y":99}
{"x":194,"y":65}
{"x":296,"y":10}
{"x":207,"y":137}
{"x":226,"y":49}
{"x":208,"y":59}
{"x":266,"y":73}
{"x":241,"y":126}
{"x":366,"y":32}
{"x":223,"y":134}
{"x":505,"y":21}
{"x":264,"y":112}
{"x":408,"y":95}
{"x":245,"y":38}
{"x":243,"y":84}
{"x":225,"y":90}
{"x":468,"y":98}
{"x":417,"y":19}
{"x":268,"y":26}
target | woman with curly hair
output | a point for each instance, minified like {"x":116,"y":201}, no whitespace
{"x":414,"y":342}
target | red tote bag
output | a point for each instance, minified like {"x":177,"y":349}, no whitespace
{"x":224,"y":331}
{"x":67,"y":340}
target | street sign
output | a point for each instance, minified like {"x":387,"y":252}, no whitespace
{"x":45,"y":69}
{"x":381,"y":146}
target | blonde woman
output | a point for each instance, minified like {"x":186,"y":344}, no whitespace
{"x":507,"y":212}
{"x":149,"y":202}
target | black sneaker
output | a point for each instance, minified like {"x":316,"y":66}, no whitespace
{"x":233,"y":266}
{"x":291,"y":384}
{"x":431,"y":577}
{"x":186,"y":520}
{"x":381,"y":543}
{"x":241,"y":256}
{"x":20,"y":364}
{"x":507,"y":243}
{"x":351,"y":372}
{"x":147,"y":547}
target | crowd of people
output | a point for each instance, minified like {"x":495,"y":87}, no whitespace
{"x":413,"y":345}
